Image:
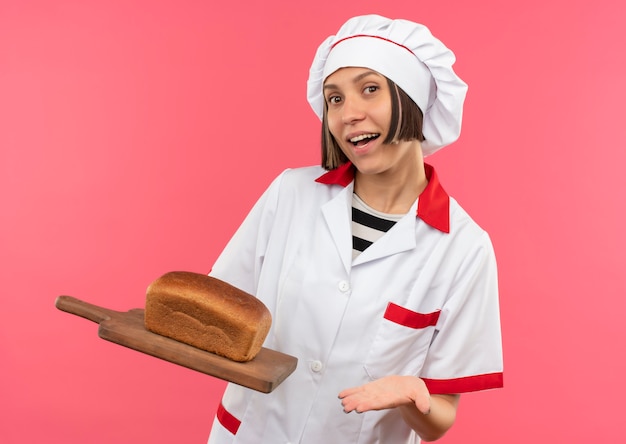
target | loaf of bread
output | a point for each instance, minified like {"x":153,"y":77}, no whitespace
{"x":207,"y":313}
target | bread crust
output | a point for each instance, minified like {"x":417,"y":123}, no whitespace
{"x":207,"y":313}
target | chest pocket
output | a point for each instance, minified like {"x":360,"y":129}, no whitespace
{"x":401,"y":343}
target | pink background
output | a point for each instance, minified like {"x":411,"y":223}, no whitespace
{"x":135,"y":136}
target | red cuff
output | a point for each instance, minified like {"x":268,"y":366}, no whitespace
{"x":463,"y":385}
{"x":227,"y":420}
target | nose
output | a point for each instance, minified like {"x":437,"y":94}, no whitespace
{"x":351,"y":111}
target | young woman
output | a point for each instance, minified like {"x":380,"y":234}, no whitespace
{"x":378,"y":282}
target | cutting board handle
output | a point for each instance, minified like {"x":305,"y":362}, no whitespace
{"x":83,"y":309}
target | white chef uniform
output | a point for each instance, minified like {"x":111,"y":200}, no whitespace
{"x":422,"y":300}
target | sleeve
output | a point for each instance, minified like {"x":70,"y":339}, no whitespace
{"x":241,"y":260}
{"x":466,"y":353}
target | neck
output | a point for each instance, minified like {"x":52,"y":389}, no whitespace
{"x":392,"y":192}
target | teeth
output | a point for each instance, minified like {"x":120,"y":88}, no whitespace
{"x":362,"y":137}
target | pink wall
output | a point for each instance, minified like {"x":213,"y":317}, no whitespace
{"x":134,"y":136}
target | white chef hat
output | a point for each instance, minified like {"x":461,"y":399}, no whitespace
{"x":409,"y":55}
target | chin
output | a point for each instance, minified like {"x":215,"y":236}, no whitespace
{"x":368,"y":169}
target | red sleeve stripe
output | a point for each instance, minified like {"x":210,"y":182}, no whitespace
{"x":408,"y":318}
{"x":464,"y":385}
{"x":227,"y":420}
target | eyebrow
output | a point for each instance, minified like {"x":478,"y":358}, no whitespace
{"x":354,"y":80}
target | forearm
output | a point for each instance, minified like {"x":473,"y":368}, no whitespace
{"x":437,"y":421}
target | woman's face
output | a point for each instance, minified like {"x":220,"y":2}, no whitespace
{"x":359,"y":114}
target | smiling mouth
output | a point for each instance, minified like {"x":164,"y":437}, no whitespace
{"x":363,"y":139}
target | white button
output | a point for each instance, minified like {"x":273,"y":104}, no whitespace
{"x":344,"y":286}
{"x":316,"y":366}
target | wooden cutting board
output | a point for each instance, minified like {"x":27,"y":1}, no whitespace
{"x":263,"y":373}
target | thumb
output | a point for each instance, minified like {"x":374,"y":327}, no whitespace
{"x":423,"y":404}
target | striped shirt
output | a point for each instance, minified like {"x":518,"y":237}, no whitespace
{"x":368,"y":225}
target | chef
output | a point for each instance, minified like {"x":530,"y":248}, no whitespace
{"x":378,"y":281}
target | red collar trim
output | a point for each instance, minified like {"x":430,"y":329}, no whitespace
{"x":342,"y":175}
{"x":433,"y":206}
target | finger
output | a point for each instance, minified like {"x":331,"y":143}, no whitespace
{"x":423,"y":405}
{"x":347,"y":406}
{"x":349,"y":391}
{"x":354,"y":404}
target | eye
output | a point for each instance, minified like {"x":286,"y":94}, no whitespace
{"x":371,"y":89}
{"x":333,"y":100}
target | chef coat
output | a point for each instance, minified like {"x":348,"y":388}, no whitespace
{"x":422,"y":301}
